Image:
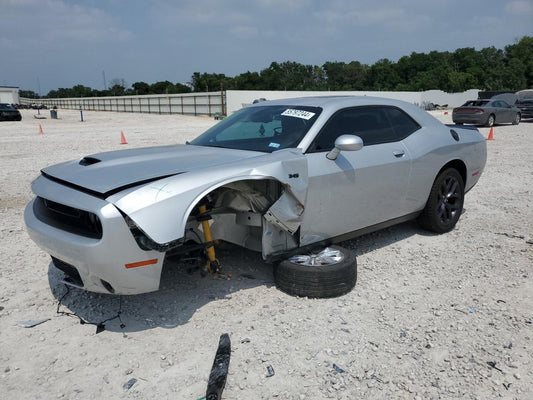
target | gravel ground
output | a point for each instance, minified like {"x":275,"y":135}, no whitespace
{"x":431,"y":317}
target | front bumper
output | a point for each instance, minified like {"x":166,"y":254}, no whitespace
{"x":111,"y":263}
{"x":10,"y":117}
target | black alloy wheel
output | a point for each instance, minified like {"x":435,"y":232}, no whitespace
{"x":445,"y":202}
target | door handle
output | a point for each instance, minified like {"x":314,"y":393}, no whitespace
{"x":398,"y":153}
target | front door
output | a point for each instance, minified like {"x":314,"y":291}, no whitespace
{"x":360,"y":188}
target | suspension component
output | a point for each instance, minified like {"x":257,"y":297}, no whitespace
{"x":213,"y":265}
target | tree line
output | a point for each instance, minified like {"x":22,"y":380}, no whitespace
{"x":490,"y":69}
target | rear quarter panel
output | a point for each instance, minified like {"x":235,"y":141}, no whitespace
{"x":431,"y":148}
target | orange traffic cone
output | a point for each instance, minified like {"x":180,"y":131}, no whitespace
{"x":122,"y":138}
{"x":445,"y":112}
{"x":491,"y":134}
{"x":40,"y":129}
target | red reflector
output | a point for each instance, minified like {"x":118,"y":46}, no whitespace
{"x":141,"y":263}
{"x":475,"y":173}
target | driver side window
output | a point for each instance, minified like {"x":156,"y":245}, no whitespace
{"x":369,"y":123}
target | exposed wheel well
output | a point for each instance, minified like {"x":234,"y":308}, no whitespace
{"x":243,"y":195}
{"x":235,"y":211}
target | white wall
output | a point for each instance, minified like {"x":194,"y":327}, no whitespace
{"x":9,"y":94}
{"x":236,"y":99}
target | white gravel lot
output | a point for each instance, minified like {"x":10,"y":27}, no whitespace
{"x":431,"y":317}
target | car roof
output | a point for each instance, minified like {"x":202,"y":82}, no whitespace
{"x":330,"y":104}
{"x":334,"y":101}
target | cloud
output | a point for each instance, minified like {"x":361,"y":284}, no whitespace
{"x":520,"y":8}
{"x":60,"y":21}
{"x":172,"y":15}
{"x":381,"y":16}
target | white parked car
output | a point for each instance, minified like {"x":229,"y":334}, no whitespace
{"x":287,"y":178}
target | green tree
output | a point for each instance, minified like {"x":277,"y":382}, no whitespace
{"x":117,"y":87}
{"x":29,"y":94}
{"x":523,"y":51}
{"x":210,"y":82}
{"x":141,"y":88}
{"x":382,"y":76}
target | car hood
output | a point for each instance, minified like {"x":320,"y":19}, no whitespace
{"x":109,"y":172}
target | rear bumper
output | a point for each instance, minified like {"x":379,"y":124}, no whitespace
{"x":113,"y":263}
{"x":479,"y":119}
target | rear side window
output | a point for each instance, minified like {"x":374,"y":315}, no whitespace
{"x":373,"y":124}
{"x":402,"y":123}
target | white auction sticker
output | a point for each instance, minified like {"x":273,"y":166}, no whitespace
{"x":291,"y":112}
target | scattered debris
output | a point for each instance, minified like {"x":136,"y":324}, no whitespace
{"x":100,"y":326}
{"x":492,"y":364}
{"x":338,"y":369}
{"x":526,"y":238}
{"x":219,"y":371}
{"x":129,"y":384}
{"x":32,"y":322}
{"x":270,"y":371}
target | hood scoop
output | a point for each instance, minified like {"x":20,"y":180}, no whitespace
{"x":89,"y":161}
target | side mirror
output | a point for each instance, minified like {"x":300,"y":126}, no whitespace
{"x":345,"y":143}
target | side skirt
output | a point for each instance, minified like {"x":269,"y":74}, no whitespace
{"x":275,"y":257}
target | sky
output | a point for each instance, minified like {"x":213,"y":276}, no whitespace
{"x":48,"y":44}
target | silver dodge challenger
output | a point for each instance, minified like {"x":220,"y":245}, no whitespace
{"x":286,"y":178}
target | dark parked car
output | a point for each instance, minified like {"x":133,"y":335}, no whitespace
{"x":526,"y":107}
{"x":486,"y":112}
{"x":9,"y":113}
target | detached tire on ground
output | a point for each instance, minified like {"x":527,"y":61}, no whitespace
{"x":328,"y":272}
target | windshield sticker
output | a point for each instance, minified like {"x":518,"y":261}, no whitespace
{"x":274,"y":145}
{"x":291,"y":112}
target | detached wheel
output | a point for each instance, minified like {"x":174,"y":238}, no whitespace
{"x":517,"y":119}
{"x":329,"y":272}
{"x":445,"y":202}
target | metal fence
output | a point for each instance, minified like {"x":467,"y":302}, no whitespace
{"x":207,"y":103}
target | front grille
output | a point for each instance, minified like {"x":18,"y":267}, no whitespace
{"x":70,"y":219}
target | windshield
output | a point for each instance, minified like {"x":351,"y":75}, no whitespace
{"x":261,"y":128}
{"x":476,"y":103}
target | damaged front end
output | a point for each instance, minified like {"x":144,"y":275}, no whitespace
{"x":260,"y":215}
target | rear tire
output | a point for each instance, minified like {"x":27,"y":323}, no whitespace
{"x":445,"y":202}
{"x":517,"y":119}
{"x":329,"y":272}
{"x":490,"y":120}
